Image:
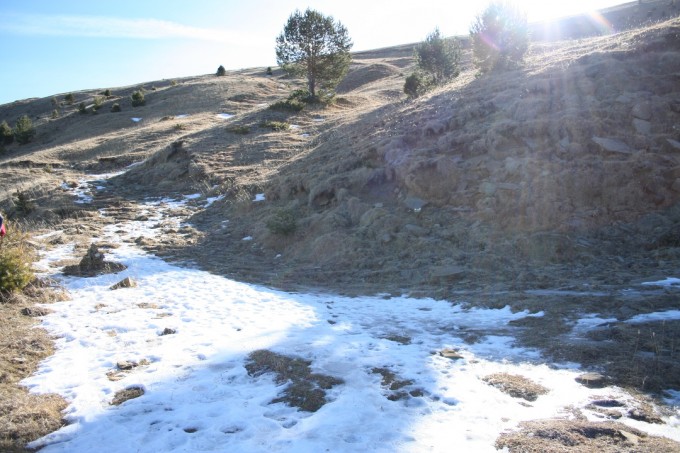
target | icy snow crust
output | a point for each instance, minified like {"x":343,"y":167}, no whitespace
{"x":199,"y":397}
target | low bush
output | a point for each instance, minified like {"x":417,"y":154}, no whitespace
{"x":55,"y":114}
{"x":276,"y":125}
{"x":269,"y":70}
{"x":295,"y":102}
{"x":283,"y":222}
{"x":241,"y":130}
{"x":115,"y":107}
{"x":16,"y":258}
{"x":221,"y":71}
{"x":82,"y":108}
{"x":416,"y":85}
{"x":288,"y":105}
{"x":138,"y":98}
{"x":22,"y":203}
{"x":98,"y":102}
{"x":70,"y":99}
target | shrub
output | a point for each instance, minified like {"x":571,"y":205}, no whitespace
{"x":82,"y":108}
{"x":15,"y":263}
{"x":288,"y":105}
{"x":221,"y":71}
{"x":500,"y":37}
{"x":69,"y":98}
{"x":24,"y":130}
{"x":98,"y":102}
{"x":6,"y":134}
{"x":241,"y":130}
{"x":439,"y":57}
{"x":282,"y":222}
{"x":302,"y":95}
{"x":417,"y":84}
{"x":107,"y":92}
{"x":55,"y":114}
{"x":22,"y":203}
{"x":295,"y":102}
{"x":269,"y":70}
{"x":276,"y":125}
{"x":115,"y":107}
{"x":138,"y":98}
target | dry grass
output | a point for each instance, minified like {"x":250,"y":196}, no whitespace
{"x":306,"y":390}
{"x":562,"y":436}
{"x":25,"y":417}
{"x":516,"y":386}
{"x":355,"y":234}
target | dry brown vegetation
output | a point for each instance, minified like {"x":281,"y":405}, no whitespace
{"x":25,"y":416}
{"x":553,"y":436}
{"x":554,"y":187}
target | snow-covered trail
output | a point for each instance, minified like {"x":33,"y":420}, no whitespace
{"x":199,"y":396}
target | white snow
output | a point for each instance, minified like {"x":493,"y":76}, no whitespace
{"x":136,"y":120}
{"x":668,"y":315}
{"x":668,"y":282}
{"x":247,"y":238}
{"x":199,"y":396}
{"x":210,"y":200}
{"x":225,"y":116}
{"x":259,"y":197}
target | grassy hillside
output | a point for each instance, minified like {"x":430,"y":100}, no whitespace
{"x":552,"y":187}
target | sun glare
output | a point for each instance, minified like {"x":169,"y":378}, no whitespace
{"x":538,"y":10}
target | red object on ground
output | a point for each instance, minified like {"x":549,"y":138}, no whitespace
{"x":2,"y":230}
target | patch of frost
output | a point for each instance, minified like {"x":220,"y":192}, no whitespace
{"x":210,"y":200}
{"x":669,"y":315}
{"x":668,"y":282}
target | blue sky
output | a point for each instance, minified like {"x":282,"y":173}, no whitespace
{"x":52,"y":47}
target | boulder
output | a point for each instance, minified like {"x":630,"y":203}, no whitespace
{"x":127,"y":282}
{"x":642,"y":110}
{"x":452,"y":354}
{"x":592,"y":380}
{"x":641,"y":126}
{"x":612,"y":145}
{"x":92,"y":264}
